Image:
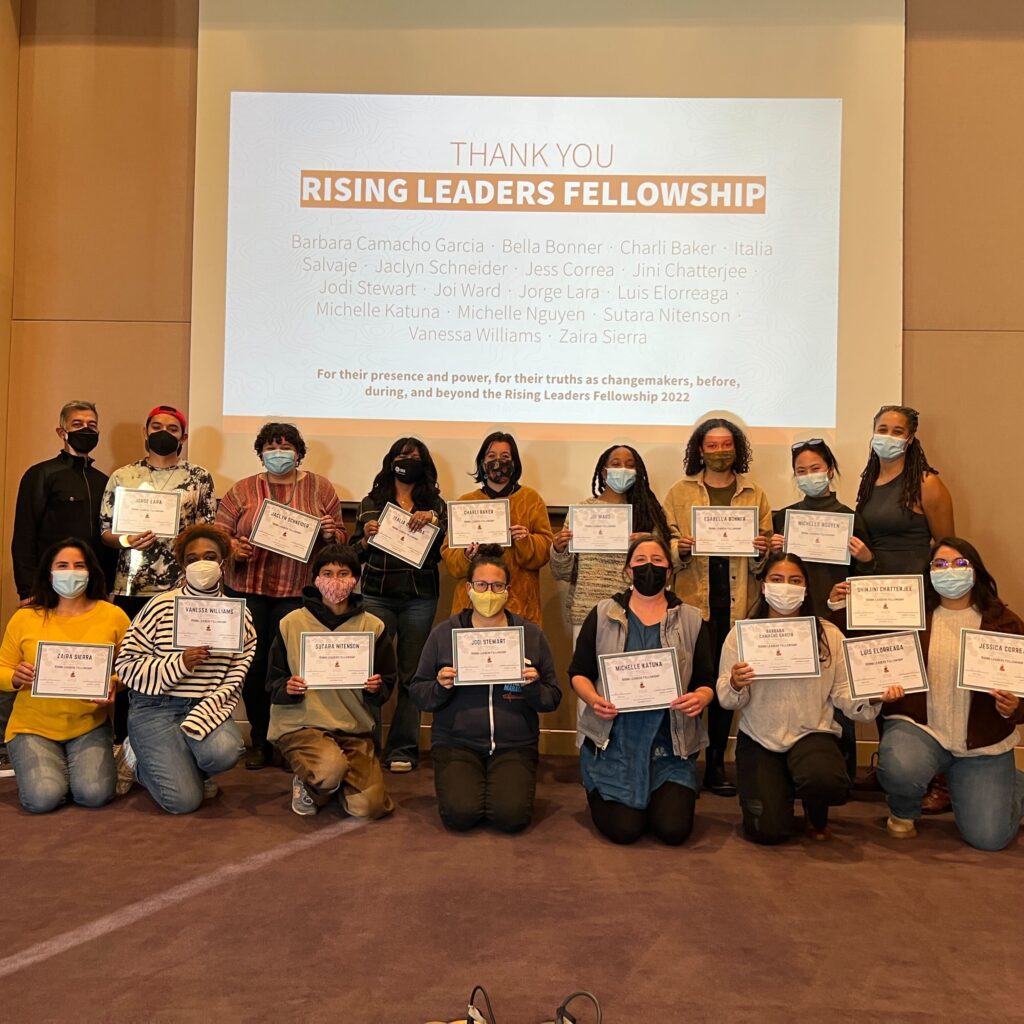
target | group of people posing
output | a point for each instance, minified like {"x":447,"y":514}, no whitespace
{"x":167,"y":720}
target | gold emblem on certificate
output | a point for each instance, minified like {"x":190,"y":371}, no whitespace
{"x":885,"y":602}
{"x":483,"y":657}
{"x":780,"y":647}
{"x":819,"y":536}
{"x":143,"y":510}
{"x":285,"y":530}
{"x":724,"y":530}
{"x":479,"y":522}
{"x":600,"y":528}
{"x":394,"y":536}
{"x":79,"y":671}
{"x":214,"y":622}
{"x":640,"y":680}
{"x":991,"y":661}
{"x":874,"y":663}
{"x":336,"y":661}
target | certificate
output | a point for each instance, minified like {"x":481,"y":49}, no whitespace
{"x":819,"y":536}
{"x":395,"y":537}
{"x":780,"y":647}
{"x":214,"y":622}
{"x":479,"y":522}
{"x":991,"y":661}
{"x":640,"y":680}
{"x":724,"y":530}
{"x":885,"y":602}
{"x":336,"y":661}
{"x":285,"y":530}
{"x":486,"y":656}
{"x":600,"y":528}
{"x":141,"y":510}
{"x":874,"y":663}
{"x":79,"y":671}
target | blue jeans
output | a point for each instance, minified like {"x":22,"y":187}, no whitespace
{"x":47,"y":770}
{"x":172,"y":765}
{"x":987,"y":792}
{"x":410,"y":619}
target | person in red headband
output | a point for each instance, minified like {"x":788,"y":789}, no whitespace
{"x":142,"y":526}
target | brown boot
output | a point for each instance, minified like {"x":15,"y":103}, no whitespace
{"x":936,"y":800}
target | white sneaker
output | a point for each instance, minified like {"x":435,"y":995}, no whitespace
{"x":900,"y":828}
{"x":302,"y":802}
{"x":126,"y":761}
{"x":210,"y":789}
{"x":400,"y":767}
{"x":6,"y":768}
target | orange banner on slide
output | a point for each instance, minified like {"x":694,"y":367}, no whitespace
{"x":539,"y":193}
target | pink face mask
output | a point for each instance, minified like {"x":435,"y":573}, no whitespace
{"x":335,"y":589}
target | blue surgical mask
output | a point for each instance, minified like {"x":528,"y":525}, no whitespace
{"x":953,"y":583}
{"x":69,"y":582}
{"x":885,"y":446}
{"x":620,"y":480}
{"x":814,"y":485}
{"x":279,"y":461}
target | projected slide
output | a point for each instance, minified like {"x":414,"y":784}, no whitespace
{"x":532,"y":260}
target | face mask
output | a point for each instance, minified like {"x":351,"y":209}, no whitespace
{"x":335,"y":589}
{"x":203,"y":575}
{"x":279,"y":462}
{"x":488,"y":604}
{"x":163,"y":442}
{"x":83,"y":441}
{"x":885,"y":446}
{"x":814,"y":485}
{"x":953,"y":583}
{"x":784,"y":597}
{"x":620,"y":480}
{"x":409,"y":471}
{"x":498,"y":472}
{"x":69,"y":582}
{"x":719,"y":462}
{"x":649,"y":579}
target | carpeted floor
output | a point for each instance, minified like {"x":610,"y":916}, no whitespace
{"x":245,"y":912}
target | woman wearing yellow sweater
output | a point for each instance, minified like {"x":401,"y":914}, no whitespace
{"x":60,"y":745}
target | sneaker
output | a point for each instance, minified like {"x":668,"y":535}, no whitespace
{"x":900,"y":828}
{"x":210,"y":789}
{"x":302,"y":802}
{"x":6,"y":768}
{"x":126,"y":761}
{"x":401,"y":766}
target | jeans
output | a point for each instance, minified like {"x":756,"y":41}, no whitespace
{"x":47,"y":770}
{"x":987,"y":791}
{"x":473,"y":787}
{"x":172,"y":765}
{"x":410,"y":620}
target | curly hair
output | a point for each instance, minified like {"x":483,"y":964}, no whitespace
{"x":915,"y":464}
{"x":488,"y":554}
{"x":693,"y":460}
{"x":280,"y":432}
{"x":648,"y":515}
{"x":203,"y":531}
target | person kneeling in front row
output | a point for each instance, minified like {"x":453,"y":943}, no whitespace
{"x":326,"y":735}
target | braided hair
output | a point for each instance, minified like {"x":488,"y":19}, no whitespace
{"x":693,"y":460}
{"x":648,"y":515}
{"x":915,"y":464}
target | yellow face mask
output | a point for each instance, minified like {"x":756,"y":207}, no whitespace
{"x":488,"y":604}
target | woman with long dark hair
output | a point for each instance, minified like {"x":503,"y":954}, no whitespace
{"x":620,"y":478}
{"x":401,"y":595}
{"x":969,"y":736}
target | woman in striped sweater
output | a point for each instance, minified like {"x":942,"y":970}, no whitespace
{"x":180,"y":730}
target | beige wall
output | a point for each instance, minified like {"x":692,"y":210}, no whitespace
{"x":105,"y":96}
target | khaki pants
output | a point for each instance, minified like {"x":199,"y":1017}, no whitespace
{"x":330,"y":763}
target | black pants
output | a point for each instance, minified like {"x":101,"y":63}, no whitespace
{"x":719,"y":718}
{"x":267,"y":613}
{"x":131,"y":606}
{"x":669,"y":816}
{"x":812,"y":770}
{"x":474,"y":787}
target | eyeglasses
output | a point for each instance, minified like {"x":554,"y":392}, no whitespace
{"x":811,"y":441}
{"x":951,"y":563}
{"x":482,"y":587}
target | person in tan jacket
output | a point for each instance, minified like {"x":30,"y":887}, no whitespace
{"x":498,"y":469}
{"x":717,"y":458}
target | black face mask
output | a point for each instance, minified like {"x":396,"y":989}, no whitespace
{"x":83,"y":441}
{"x":498,"y":472}
{"x":409,"y":471}
{"x":163,"y":442}
{"x":649,"y":579}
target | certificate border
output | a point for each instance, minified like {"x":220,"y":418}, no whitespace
{"x":602,"y":659}
{"x":874,"y":638}
{"x":278,"y":551}
{"x":480,"y":501}
{"x":373,"y":542}
{"x":849,"y":516}
{"x":694,"y":509}
{"x":145,"y":490}
{"x":573,"y":550}
{"x":241,"y":623}
{"x":960,"y":684}
{"x":487,"y":629}
{"x":344,"y":633}
{"x":36,"y":692}
{"x":850,"y":624}
{"x":816,"y":674}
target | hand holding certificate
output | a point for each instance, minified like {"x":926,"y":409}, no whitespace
{"x":143,"y":510}
{"x":479,"y":522}
{"x":991,"y":661}
{"x":876,"y":663}
{"x":640,"y":680}
{"x":885,"y":602}
{"x":819,"y":536}
{"x":601,"y":527}
{"x":396,"y":538}
{"x":214,"y":622}
{"x":285,"y":530}
{"x":336,"y":661}
{"x":484,"y":657}
{"x":79,"y":671}
{"x":724,"y":530}
{"x":779,"y":647}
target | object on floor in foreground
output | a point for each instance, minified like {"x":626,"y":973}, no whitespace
{"x":562,"y":1014}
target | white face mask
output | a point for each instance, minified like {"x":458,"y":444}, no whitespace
{"x":203,"y":575}
{"x":784,"y":597}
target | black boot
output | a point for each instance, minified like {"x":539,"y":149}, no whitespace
{"x":714,"y":775}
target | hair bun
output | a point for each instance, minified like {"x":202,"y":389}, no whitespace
{"x":489,"y":551}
